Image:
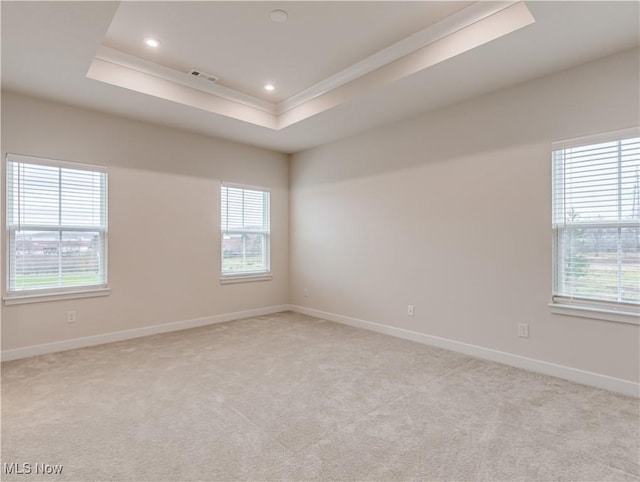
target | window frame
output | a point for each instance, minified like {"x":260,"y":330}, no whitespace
{"x":245,"y":276}
{"x":621,"y":312}
{"x":35,"y":295}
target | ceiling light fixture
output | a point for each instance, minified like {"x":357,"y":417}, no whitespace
{"x":151,"y":42}
{"x":278,"y":16}
{"x":269,"y":87}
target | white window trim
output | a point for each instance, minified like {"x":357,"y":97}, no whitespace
{"x":587,"y":308}
{"x":233,"y":278}
{"x":55,"y":294}
{"x":583,"y":309}
{"x":67,"y":295}
{"x":244,"y":278}
{"x":596,"y":138}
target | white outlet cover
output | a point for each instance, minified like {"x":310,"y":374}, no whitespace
{"x":523,"y":330}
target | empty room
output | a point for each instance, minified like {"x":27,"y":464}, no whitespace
{"x":298,"y":240}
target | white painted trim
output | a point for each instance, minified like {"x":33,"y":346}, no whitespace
{"x":18,"y":299}
{"x":428,"y":35}
{"x":93,"y":340}
{"x":583,"y":311}
{"x":135,"y":80}
{"x":138,"y":64}
{"x":625,"y":387}
{"x":244,"y":278}
{"x":45,"y":161}
{"x":445,"y":27}
{"x":598,"y":138}
{"x":584,"y":377}
{"x":479,"y":33}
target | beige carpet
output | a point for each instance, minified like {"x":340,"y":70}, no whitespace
{"x":288,"y":397}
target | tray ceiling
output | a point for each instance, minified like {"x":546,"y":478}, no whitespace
{"x":238,"y":43}
{"x":362,"y":65}
{"x":322,"y":56}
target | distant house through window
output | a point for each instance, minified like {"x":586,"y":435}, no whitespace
{"x":245,"y":232}
{"x":56,"y":226}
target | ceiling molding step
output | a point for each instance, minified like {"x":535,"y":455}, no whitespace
{"x":432,"y":33}
{"x":447,"y":26}
{"x":133,"y":79}
{"x":129,"y":61}
{"x":505,"y":21}
{"x":467,"y":29}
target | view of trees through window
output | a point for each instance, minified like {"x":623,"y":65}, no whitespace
{"x":597,"y":221}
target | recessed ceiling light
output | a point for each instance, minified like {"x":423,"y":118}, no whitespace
{"x":151,"y":42}
{"x":269,"y":87}
{"x":278,"y":16}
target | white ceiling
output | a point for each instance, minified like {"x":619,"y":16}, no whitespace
{"x":49,"y":47}
{"x":237,"y":42}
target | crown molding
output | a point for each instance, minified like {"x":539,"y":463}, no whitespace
{"x":489,"y":28}
{"x":132,"y":62}
{"x":447,"y":26}
{"x":466,"y":29}
{"x":137,"y":81}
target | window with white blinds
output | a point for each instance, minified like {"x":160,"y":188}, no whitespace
{"x":56,"y":226}
{"x":245,"y":230}
{"x":596,"y":220}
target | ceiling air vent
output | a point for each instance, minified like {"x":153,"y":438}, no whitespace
{"x":203,"y":75}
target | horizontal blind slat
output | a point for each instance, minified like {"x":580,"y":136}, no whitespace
{"x":592,"y":184}
{"x":57,"y":221}
{"x":245,"y":230}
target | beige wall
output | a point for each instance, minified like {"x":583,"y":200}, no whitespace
{"x":163,"y":220}
{"x":450,"y":212}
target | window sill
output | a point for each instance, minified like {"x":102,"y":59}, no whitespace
{"x":14,"y":299}
{"x":244,"y":278}
{"x":583,"y":311}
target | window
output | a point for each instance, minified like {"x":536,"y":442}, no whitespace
{"x":596,"y":221}
{"x":245,"y":232}
{"x":56,"y":227}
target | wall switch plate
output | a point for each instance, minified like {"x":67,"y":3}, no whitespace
{"x":411,"y":311}
{"x":71,"y":316}
{"x":523,"y":330}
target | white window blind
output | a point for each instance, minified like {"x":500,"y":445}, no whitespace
{"x":596,"y":220}
{"x":56,"y":226}
{"x":245,"y":230}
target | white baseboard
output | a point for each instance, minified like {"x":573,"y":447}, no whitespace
{"x":625,"y":387}
{"x":134,"y":333}
{"x":618,"y":385}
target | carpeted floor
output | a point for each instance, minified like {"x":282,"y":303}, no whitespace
{"x":289,"y":397}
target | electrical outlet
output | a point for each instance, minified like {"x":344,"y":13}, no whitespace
{"x":411,"y":311}
{"x":71,"y":316}
{"x":523,"y":330}
{"x":305,"y":293}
